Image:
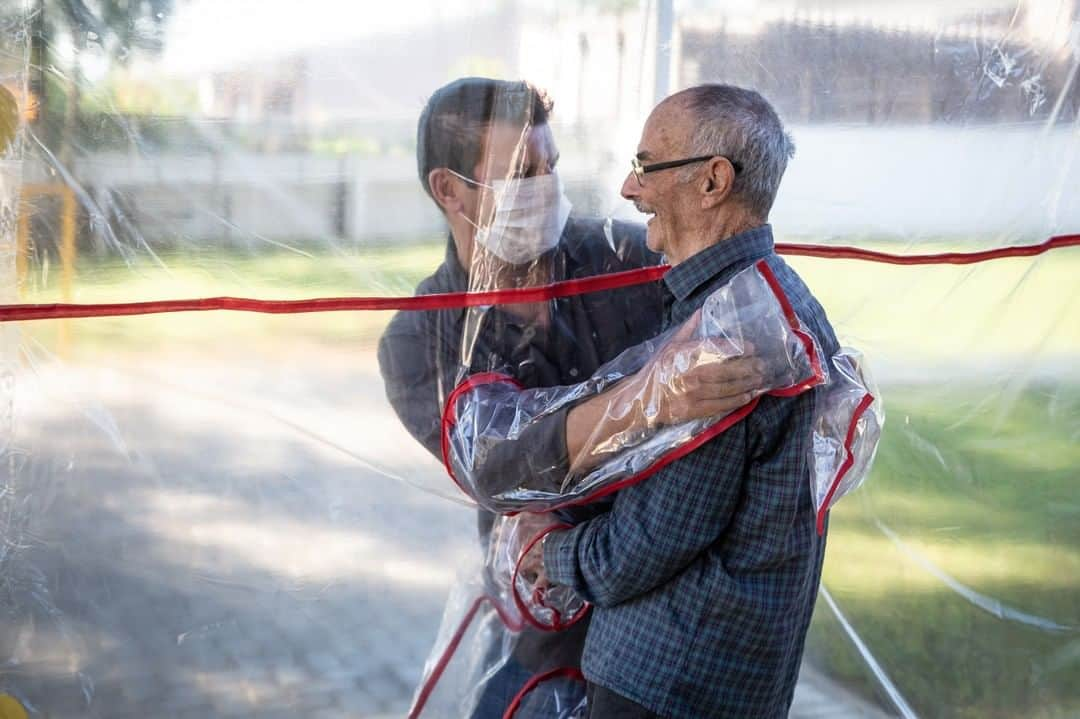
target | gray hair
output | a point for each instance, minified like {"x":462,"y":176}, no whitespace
{"x":742,"y":126}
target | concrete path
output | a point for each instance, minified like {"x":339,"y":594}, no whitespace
{"x":209,"y":536}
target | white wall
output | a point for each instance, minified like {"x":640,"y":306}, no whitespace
{"x":925,"y":181}
{"x":899,"y":183}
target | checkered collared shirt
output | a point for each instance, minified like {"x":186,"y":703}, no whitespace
{"x":704,"y":576}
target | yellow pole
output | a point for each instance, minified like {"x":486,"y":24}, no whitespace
{"x":67,"y":246}
{"x":22,"y":242}
{"x":67,"y":262}
{"x":10,"y":708}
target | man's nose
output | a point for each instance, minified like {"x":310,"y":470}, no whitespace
{"x":630,"y":187}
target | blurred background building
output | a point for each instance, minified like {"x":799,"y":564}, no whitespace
{"x":307,"y":134}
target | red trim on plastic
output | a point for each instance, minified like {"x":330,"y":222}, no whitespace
{"x":666,"y":459}
{"x":526,"y":614}
{"x":443,"y":301}
{"x":849,"y":460}
{"x":534,"y":681}
{"x":440,"y":667}
{"x":943,"y":258}
{"x":449,"y":417}
{"x":458,"y":300}
{"x":729,"y":420}
{"x":796,"y":327}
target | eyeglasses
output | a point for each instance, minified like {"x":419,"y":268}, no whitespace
{"x":639,"y":170}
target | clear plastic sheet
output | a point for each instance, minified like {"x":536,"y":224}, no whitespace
{"x":475,"y":667}
{"x":516,"y":566}
{"x":215,"y":513}
{"x":847,"y":428}
{"x":748,"y":319}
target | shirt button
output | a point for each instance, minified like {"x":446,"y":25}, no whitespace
{"x":573,"y":371}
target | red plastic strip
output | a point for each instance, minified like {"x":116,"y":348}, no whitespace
{"x":849,"y":460}
{"x":835,"y":252}
{"x":793,"y":321}
{"x":449,"y":418}
{"x":440,"y":667}
{"x":534,"y":681}
{"x":458,"y":300}
{"x":443,"y":301}
{"x":526,"y":614}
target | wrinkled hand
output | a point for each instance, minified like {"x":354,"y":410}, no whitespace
{"x":693,"y":378}
{"x":532,"y":567}
{"x":532,"y":564}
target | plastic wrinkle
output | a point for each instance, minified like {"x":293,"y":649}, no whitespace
{"x":568,"y":672}
{"x":433,"y":678}
{"x":890,"y":689}
{"x":558,"y":624}
{"x":97,"y":217}
{"x":276,"y":417}
{"x":449,"y":417}
{"x":988,"y":604}
{"x":849,"y":461}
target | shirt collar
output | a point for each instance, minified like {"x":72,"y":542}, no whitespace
{"x":737,"y":251}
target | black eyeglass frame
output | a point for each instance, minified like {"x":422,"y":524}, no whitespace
{"x":640,"y":170}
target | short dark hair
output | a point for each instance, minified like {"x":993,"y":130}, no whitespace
{"x":452,"y":126}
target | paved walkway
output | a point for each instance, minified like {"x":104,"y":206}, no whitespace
{"x":214,"y":540}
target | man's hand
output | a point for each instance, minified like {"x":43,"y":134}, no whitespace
{"x":532,"y":567}
{"x":688,"y":379}
{"x":523,"y":528}
{"x":692,"y":379}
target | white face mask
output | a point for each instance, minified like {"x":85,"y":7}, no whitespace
{"x":530,"y":214}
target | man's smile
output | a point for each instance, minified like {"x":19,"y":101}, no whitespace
{"x":645,"y":209}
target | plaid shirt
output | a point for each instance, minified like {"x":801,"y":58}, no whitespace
{"x":704,"y":576}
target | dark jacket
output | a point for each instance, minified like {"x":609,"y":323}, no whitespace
{"x":423,"y":356}
{"x":421,"y":353}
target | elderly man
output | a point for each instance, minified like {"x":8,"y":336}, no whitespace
{"x":704,"y":577}
{"x":487,"y":158}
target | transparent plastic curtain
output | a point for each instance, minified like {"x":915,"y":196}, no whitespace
{"x":232,"y":513}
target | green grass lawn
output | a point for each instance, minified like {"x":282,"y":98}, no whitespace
{"x":1004,"y":308}
{"x":958,"y":563}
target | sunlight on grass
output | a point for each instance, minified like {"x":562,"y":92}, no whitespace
{"x":280,"y":275}
{"x":959,"y":562}
{"x":1004,"y":308}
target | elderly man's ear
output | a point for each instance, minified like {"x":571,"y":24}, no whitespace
{"x":446,"y":189}
{"x":717,"y":182}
